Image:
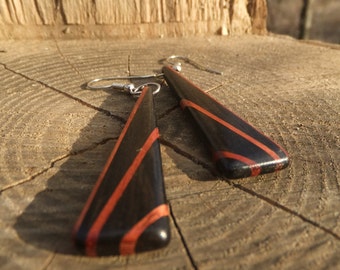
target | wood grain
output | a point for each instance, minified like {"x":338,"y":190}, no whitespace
{"x":130,"y":18}
{"x":55,"y":138}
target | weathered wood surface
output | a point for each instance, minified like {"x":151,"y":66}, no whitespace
{"x":55,"y":138}
{"x":130,"y":18}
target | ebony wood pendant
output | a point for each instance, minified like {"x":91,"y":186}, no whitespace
{"x":126,"y":211}
{"x":238,"y":149}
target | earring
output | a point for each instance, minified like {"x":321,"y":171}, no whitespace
{"x":126,"y":211}
{"x":238,"y":149}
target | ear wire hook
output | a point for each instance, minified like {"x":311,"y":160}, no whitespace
{"x":96,"y":84}
{"x":177,"y":65}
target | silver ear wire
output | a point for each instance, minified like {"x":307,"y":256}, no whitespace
{"x":107,"y":82}
{"x":129,"y":87}
{"x":177,"y":65}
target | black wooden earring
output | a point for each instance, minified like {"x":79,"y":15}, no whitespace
{"x":238,"y":149}
{"x":126,"y":211}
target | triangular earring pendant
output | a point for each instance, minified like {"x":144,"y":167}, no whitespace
{"x":126,"y":211}
{"x":238,"y":149}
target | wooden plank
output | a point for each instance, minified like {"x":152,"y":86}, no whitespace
{"x":55,"y":138}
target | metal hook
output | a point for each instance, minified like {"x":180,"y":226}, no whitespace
{"x":177,"y":65}
{"x":95,"y":84}
{"x":138,"y":90}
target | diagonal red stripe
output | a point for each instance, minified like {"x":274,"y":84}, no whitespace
{"x":108,"y":162}
{"x":92,"y":237}
{"x":188,"y":103}
{"x":129,"y":241}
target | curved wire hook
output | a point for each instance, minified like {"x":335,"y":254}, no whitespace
{"x":138,"y":90}
{"x":95,"y":84}
{"x":177,"y":65}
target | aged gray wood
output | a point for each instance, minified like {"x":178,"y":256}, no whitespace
{"x":55,"y":137}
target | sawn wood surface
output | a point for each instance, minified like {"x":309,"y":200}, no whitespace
{"x":55,"y":137}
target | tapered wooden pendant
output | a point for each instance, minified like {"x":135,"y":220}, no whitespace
{"x":239,"y":150}
{"x":127,"y":211}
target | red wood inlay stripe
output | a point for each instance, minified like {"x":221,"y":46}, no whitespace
{"x":254,"y":167}
{"x":92,"y":237}
{"x":188,"y":103}
{"x":130,"y":239}
{"x":109,"y":161}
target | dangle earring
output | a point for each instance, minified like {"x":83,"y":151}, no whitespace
{"x":238,"y":149}
{"x":126,"y":211}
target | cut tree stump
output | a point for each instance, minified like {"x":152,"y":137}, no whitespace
{"x":55,"y":137}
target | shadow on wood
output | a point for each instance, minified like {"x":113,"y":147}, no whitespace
{"x":48,"y":221}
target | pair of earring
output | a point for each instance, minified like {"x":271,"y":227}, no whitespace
{"x":126,"y":211}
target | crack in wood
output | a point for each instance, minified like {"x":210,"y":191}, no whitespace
{"x":184,"y":242}
{"x":247,"y":190}
{"x":187,"y":155}
{"x":82,"y":102}
{"x":129,"y":65}
{"x":48,"y":261}
{"x":168,"y":112}
{"x":68,"y":61}
{"x":284,"y":208}
{"x":53,"y":162}
{"x":34,"y":176}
